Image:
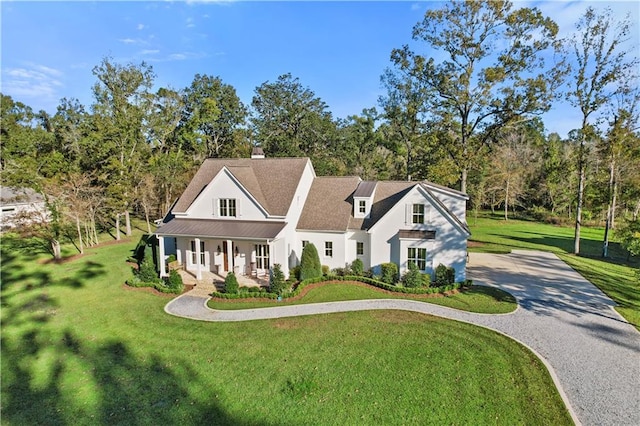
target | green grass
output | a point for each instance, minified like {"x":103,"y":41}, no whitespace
{"x":615,"y":276}
{"x":479,"y":299}
{"x":79,"y":348}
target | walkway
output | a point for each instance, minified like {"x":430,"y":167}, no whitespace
{"x":592,"y":352}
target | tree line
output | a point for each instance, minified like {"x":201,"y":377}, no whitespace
{"x":461,"y":108}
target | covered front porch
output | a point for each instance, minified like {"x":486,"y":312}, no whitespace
{"x":217,"y":246}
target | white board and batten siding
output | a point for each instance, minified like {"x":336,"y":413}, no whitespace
{"x":224,"y":186}
{"x":448,"y":247}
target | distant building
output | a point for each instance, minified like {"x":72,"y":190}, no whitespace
{"x":21,"y":206}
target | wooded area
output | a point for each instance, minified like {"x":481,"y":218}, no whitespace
{"x":470,"y":121}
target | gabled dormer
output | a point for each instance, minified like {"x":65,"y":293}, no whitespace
{"x":363,"y":199}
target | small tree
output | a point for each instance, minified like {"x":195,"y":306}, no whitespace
{"x":310,"y":266}
{"x":147,"y":269}
{"x":412,"y":278}
{"x":357,"y":268}
{"x":277,"y":283}
{"x":231,"y":283}
{"x":629,"y":235}
{"x":389,"y":273}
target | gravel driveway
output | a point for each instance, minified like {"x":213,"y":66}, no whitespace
{"x":592,"y":352}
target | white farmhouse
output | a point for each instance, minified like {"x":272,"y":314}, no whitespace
{"x":245,"y":215}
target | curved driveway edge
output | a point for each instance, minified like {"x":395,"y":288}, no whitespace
{"x":592,"y":353}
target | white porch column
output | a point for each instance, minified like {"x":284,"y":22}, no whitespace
{"x":163,"y":270}
{"x":198,"y":263}
{"x":178,"y":254}
{"x":230,"y":256}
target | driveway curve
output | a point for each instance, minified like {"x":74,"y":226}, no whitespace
{"x":593,"y":354}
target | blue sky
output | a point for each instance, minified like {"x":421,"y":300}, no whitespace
{"x":337,"y":49}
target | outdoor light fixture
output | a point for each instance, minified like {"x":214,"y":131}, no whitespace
{"x":237,"y":251}
{"x":218,"y":249}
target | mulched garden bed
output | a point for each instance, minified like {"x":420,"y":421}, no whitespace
{"x":316,"y":285}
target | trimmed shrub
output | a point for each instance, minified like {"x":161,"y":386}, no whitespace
{"x":412,"y":278}
{"x":294,"y":272}
{"x":389,"y":273}
{"x":174,"y":282}
{"x":277,"y":284}
{"x":426,"y":280}
{"x":231,"y":283}
{"x":357,"y":268}
{"x":325,"y":270}
{"x":445,"y":275}
{"x":147,"y":269}
{"x":310,"y":263}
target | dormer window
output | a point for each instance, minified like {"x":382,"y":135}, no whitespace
{"x":362,"y":207}
{"x":228,"y":207}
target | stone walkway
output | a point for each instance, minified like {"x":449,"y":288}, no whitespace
{"x":593,"y":354}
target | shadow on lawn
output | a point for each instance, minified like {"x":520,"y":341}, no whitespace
{"x":52,"y":376}
{"x":97,"y":384}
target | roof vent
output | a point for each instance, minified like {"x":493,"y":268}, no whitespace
{"x":257,"y":152}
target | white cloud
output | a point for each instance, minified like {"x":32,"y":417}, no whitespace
{"x":140,"y":27}
{"x":149,"y":51}
{"x":127,"y":40}
{"x":33,"y":81}
{"x":190,"y":23}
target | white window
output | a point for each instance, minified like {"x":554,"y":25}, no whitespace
{"x":362,"y":206}
{"x":359,"y":248}
{"x":418,"y":256}
{"x":194,"y":260}
{"x":418,"y":213}
{"x":228,"y":207}
{"x":262,"y":256}
{"x":328,"y":249}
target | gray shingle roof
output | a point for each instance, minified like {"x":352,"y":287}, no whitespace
{"x":329,"y":204}
{"x":236,"y":229}
{"x":365,"y":189}
{"x":271,"y":181}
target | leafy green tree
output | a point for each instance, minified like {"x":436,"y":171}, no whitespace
{"x":361,"y":147}
{"x":310,"y":266}
{"x":212,"y":115}
{"x":492,"y":74}
{"x":290,"y":121}
{"x":122,"y":96}
{"x":602,"y":66}
{"x":405,"y":111}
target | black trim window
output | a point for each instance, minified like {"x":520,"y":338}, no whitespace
{"x":362,"y":206}
{"x":359,"y":248}
{"x":418,"y":213}
{"x":262,"y":256}
{"x":328,"y":249}
{"x":418,"y":256}
{"x":228,"y":207}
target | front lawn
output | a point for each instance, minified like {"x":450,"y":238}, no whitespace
{"x":78,"y":347}
{"x":615,"y":276}
{"x":479,"y":299}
